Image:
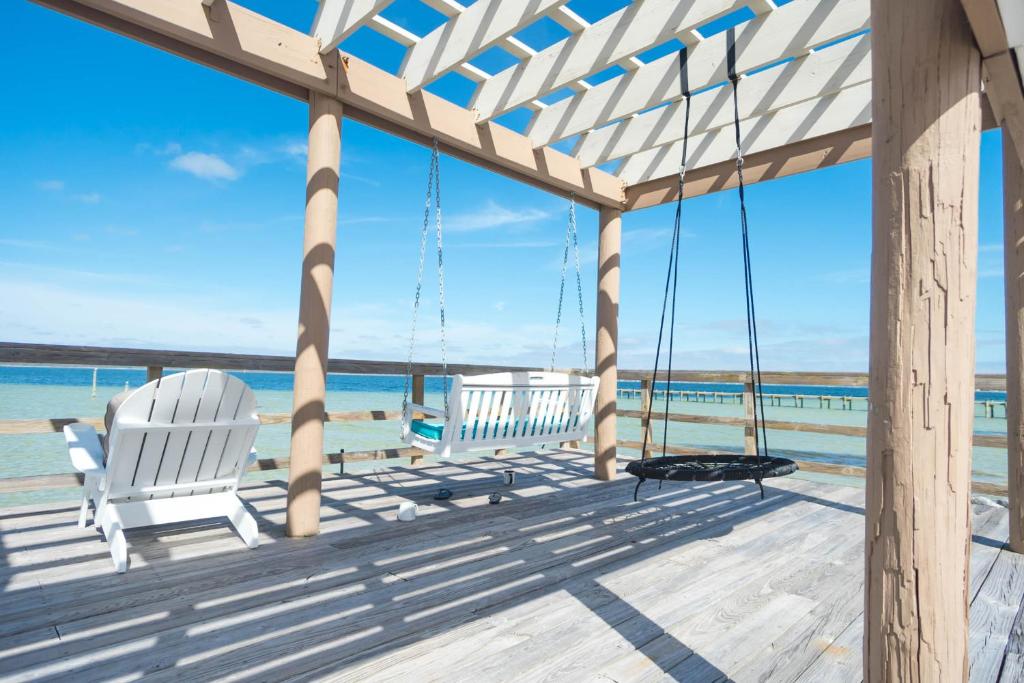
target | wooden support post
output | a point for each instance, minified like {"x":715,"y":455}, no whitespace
{"x":609,"y":256}
{"x":153,"y":372}
{"x":308,"y":406}
{"x":418,"y":396}
{"x":926,"y":124}
{"x":1013,"y":255}
{"x":645,"y":405}
{"x":749,"y":441}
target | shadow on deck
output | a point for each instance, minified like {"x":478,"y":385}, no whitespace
{"x":566,"y":579}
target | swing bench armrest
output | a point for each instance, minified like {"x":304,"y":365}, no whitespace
{"x":412,"y":408}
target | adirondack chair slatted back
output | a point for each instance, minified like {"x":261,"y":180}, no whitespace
{"x":519,"y":409}
{"x":178,"y":433}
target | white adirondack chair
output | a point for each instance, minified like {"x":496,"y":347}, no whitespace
{"x":505,"y":410}
{"x":175,"y":451}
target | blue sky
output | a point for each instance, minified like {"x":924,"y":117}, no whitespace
{"x":152,"y":202}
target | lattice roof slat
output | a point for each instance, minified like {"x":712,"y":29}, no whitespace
{"x":806,"y":78}
{"x":804,"y":73}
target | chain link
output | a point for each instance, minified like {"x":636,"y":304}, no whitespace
{"x":570,"y":234}
{"x":433,"y":192}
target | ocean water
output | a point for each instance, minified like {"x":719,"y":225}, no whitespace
{"x":34,"y":392}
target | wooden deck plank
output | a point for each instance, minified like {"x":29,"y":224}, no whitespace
{"x":280,"y":595}
{"x":565,"y":580}
{"x":537,"y":634}
{"x":993,"y":612}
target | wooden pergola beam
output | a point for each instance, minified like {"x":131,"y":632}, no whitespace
{"x":844,"y":146}
{"x":243,"y":43}
{"x":807,"y":155}
{"x":812,"y":118}
{"x":1003,"y":79}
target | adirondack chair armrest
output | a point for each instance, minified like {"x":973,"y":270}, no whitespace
{"x":429,"y":412}
{"x":84,"y":449}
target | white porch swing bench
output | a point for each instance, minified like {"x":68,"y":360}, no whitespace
{"x":505,"y":410}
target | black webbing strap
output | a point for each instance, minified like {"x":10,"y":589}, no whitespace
{"x":760,"y":432}
{"x":671,"y":280}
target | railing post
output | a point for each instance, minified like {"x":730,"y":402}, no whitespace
{"x":418,"y":396}
{"x":926,"y":128}
{"x":609,"y":259}
{"x":310,"y":390}
{"x":153,"y":372}
{"x":1013,"y":256}
{"x":645,"y":405}
{"x":749,"y":435}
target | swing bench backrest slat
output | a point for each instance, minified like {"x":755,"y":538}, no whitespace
{"x":512,"y":409}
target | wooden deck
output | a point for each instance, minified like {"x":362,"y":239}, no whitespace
{"x":565,"y":580}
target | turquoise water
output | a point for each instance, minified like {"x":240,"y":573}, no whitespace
{"x":43,"y":392}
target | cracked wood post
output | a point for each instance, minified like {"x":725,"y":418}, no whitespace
{"x":309,"y":398}
{"x":646,"y":385}
{"x":418,"y":396}
{"x":1013,"y":254}
{"x":749,"y":406}
{"x":926,"y":112}
{"x":609,"y":248}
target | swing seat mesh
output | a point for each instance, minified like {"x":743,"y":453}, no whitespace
{"x":713,"y":467}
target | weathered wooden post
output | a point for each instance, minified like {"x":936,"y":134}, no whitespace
{"x":645,"y":405}
{"x":608,"y":271}
{"x":749,"y":441}
{"x":153,"y":372}
{"x":418,"y":396}
{"x":308,"y":403}
{"x":1013,"y":259}
{"x":926,"y":122}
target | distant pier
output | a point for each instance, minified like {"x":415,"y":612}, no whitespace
{"x":982,"y":408}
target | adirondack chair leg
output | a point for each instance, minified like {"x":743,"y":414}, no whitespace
{"x":89,"y":487}
{"x":83,"y":512}
{"x":113,"y":530}
{"x":118,"y":549}
{"x":244,"y":523}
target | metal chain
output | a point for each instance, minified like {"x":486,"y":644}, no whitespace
{"x":579,"y":281}
{"x":570,"y":234}
{"x":433,"y":188}
{"x":436,"y":160}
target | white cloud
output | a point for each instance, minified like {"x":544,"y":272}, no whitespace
{"x":168,"y":149}
{"x":851,"y":276}
{"x":25,"y":244}
{"x":537,"y":244}
{"x":51,"y":185}
{"x":296,"y":149}
{"x":493,"y":215}
{"x":88,"y":197}
{"x":205,"y":166}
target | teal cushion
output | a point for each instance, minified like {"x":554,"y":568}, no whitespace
{"x":427,"y":430}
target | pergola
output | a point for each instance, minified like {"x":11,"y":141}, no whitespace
{"x":909,"y":82}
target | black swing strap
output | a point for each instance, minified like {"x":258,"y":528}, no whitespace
{"x":671,"y":279}
{"x":760,"y":432}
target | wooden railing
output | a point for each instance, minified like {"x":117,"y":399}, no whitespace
{"x":156,"y":360}
{"x":985,"y":383}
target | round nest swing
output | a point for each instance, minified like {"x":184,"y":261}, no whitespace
{"x":713,"y":467}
